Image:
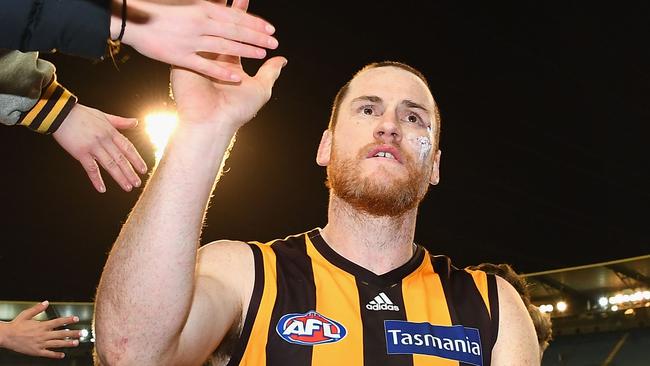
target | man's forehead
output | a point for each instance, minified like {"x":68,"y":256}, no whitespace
{"x":390,"y":82}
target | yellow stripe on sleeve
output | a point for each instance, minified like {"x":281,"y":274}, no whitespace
{"x":51,"y":116}
{"x":31,"y":115}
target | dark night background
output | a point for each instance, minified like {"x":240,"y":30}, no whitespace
{"x":545,"y":109}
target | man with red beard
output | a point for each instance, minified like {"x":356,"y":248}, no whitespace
{"x":356,"y":292}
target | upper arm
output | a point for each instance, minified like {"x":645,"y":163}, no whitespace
{"x":224,"y":282}
{"x":516,"y":342}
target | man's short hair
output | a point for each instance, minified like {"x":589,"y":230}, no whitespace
{"x":344,"y":90}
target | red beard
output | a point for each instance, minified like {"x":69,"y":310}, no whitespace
{"x":376,"y":198}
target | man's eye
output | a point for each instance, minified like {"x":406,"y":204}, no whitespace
{"x":368,"y":111}
{"x":413,"y":118}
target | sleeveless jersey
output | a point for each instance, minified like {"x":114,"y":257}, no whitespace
{"x":312,"y":307}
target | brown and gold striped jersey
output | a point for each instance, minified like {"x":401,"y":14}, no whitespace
{"x":312,"y":307}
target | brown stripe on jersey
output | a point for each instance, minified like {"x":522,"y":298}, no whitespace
{"x":336,"y":298}
{"x":493,"y":295}
{"x":253,"y":306}
{"x":374,"y":333}
{"x":479,"y":278}
{"x":424,"y":301}
{"x":255,"y":348}
{"x":465,"y":303}
{"x":296,"y":294}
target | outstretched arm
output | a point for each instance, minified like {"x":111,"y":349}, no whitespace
{"x":152,"y":299}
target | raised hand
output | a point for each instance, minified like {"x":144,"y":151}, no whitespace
{"x":35,"y":338}
{"x":179,"y":32}
{"x":91,"y":136}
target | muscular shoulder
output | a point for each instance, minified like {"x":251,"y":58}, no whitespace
{"x":222,"y":255}
{"x":516,"y":341}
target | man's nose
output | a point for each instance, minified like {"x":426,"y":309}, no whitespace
{"x":388,"y":129}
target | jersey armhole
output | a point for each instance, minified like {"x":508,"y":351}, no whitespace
{"x":493,"y":295}
{"x":253,"y":306}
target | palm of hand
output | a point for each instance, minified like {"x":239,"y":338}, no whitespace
{"x":203,"y":100}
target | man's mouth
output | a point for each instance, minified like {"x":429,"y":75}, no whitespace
{"x":386,"y":152}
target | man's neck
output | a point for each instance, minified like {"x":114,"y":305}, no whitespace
{"x":379,"y":244}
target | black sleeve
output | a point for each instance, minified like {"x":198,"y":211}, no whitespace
{"x":74,"y":27}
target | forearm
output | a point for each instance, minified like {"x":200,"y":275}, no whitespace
{"x":145,"y":292}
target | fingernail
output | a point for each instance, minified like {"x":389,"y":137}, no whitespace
{"x":45,"y":303}
{"x":143,"y":170}
{"x":102,"y":189}
{"x":75,"y":342}
{"x":261,"y":53}
{"x":137,"y":183}
{"x":128,"y":187}
{"x":75,"y":319}
{"x":234,"y":77}
{"x":284,"y":63}
{"x":273,"y":43}
{"x":270,"y":29}
{"x":136,"y":123}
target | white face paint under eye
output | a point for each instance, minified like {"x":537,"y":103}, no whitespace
{"x":425,"y":147}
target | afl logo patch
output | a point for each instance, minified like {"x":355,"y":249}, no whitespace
{"x":309,"y":329}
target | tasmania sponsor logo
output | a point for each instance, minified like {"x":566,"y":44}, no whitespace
{"x":451,"y":342}
{"x":309,"y":329}
{"x":381,"y":302}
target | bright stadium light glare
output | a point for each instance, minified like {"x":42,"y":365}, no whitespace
{"x":546,"y":308}
{"x":84,"y":333}
{"x":603,"y":301}
{"x":561,"y":306}
{"x":614,"y":308}
{"x":159,"y":126}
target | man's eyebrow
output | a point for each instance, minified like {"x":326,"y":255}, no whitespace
{"x":412,"y":104}
{"x":368,"y":98}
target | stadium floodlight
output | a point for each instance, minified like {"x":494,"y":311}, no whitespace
{"x":546,"y":308}
{"x":159,"y":127}
{"x":603,"y":301}
{"x":561,"y":306}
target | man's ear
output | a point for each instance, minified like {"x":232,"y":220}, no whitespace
{"x":435,"y":169}
{"x":324,"y":149}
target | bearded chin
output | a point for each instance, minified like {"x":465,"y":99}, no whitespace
{"x":373,"y":197}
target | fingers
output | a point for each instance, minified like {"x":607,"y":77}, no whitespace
{"x":127,"y":148}
{"x":59,"y":343}
{"x":92,"y":169}
{"x":33,"y":311}
{"x":121,"y":123}
{"x":237,"y":15}
{"x":63,"y":334}
{"x":235,"y":32}
{"x":50,"y":354}
{"x":59,"y":322}
{"x":240,"y":4}
{"x":224,"y":46}
{"x":270,"y":71}
{"x":211,"y":68}
{"x":117,"y":165}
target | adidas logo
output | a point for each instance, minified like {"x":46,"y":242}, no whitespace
{"x":381,"y":302}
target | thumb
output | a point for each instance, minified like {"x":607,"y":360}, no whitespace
{"x":121,"y":123}
{"x":270,"y":71}
{"x":33,"y":311}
